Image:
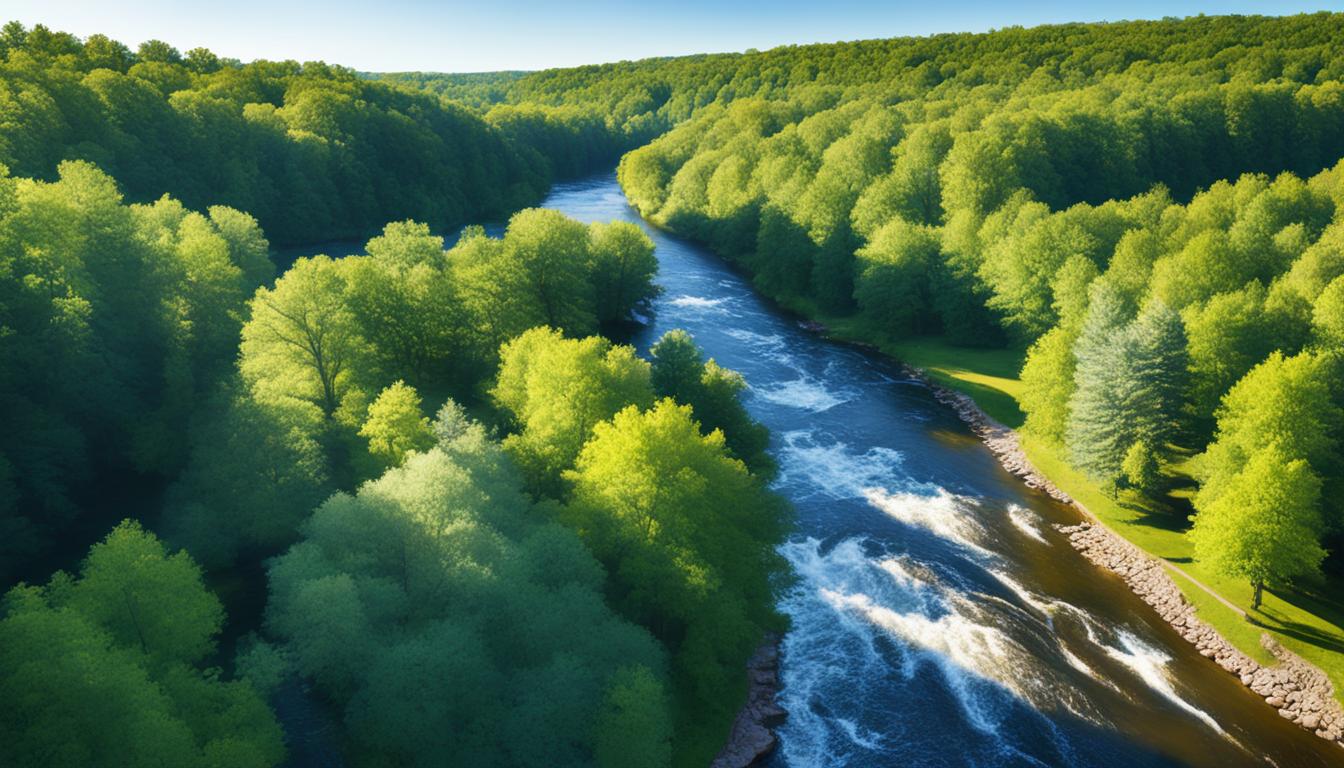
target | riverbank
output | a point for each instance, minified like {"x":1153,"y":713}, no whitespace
{"x":1299,"y":690}
{"x":963,"y":378}
{"x":753,"y":733}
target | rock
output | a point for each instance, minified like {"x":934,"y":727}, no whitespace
{"x":752,"y":735}
{"x":1299,"y":690}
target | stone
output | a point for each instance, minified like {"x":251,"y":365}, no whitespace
{"x":1300,"y":691}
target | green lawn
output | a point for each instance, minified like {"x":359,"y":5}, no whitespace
{"x":1309,"y":619}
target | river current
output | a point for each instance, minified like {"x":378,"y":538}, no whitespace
{"x":938,"y":619}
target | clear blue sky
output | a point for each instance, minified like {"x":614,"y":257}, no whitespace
{"x":394,"y":35}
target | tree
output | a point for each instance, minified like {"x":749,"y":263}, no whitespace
{"x":557,"y":390}
{"x":158,"y":51}
{"x":1129,"y":383}
{"x":145,"y":598}
{"x":894,"y":282}
{"x":395,"y":425}
{"x":680,"y":372}
{"x":552,"y":252}
{"x":302,"y":342}
{"x":1048,"y":384}
{"x":1097,"y":434}
{"x":1161,"y":367}
{"x":623,"y":266}
{"x":633,"y":726}
{"x":406,"y":307}
{"x":1229,"y":335}
{"x":1265,"y":526}
{"x":255,"y":470}
{"x":1140,"y":468}
{"x":1328,"y":315}
{"x":450,"y":624}
{"x":1285,"y":401}
{"x":688,"y":536}
{"x":102,"y":665}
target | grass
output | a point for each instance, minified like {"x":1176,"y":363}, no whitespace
{"x":1308,"y":620}
{"x":988,"y":375}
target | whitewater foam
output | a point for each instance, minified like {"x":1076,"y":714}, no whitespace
{"x":1150,"y":665}
{"x":1025,"y":521}
{"x":1043,"y":605}
{"x":942,"y":513}
{"x":832,"y":470}
{"x":804,"y":393}
{"x":700,"y":303}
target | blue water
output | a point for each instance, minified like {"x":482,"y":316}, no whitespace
{"x":937,"y":618}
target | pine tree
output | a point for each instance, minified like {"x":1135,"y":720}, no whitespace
{"x":1128,"y":381}
{"x":1098,"y":435}
{"x":1161,"y":373}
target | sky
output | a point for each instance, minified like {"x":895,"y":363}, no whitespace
{"x":484,"y":35}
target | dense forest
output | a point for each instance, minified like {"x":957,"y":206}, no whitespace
{"x":440,"y":462}
{"x":1151,"y":209}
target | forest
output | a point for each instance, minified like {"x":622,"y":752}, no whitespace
{"x":438,"y":462}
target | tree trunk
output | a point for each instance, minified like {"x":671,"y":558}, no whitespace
{"x":1255,"y":601}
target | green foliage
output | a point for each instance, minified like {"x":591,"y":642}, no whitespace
{"x":557,"y":390}
{"x":714,"y":393}
{"x":255,"y":471}
{"x":1128,"y":383}
{"x":1048,"y":384}
{"x":1023,"y":174}
{"x":1285,"y":402}
{"x":302,"y":343}
{"x":1148,"y":231}
{"x":145,"y":598}
{"x":453,"y":628}
{"x":623,"y":266}
{"x":1327,"y":316}
{"x":1265,"y":523}
{"x":395,"y":425}
{"x":103,"y":665}
{"x":116,"y":319}
{"x":1141,"y":469}
{"x":549,"y":270}
{"x":632,"y":727}
{"x":315,"y":152}
{"x":406,"y":306}
{"x":688,"y":536}
{"x":898,"y":274}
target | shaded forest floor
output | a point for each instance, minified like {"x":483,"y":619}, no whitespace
{"x":1308,"y":619}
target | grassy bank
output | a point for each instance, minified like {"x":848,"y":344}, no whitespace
{"x":1309,"y":619}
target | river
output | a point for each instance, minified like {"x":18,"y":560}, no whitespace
{"x":938,"y":619}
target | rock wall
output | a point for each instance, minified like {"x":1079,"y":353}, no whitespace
{"x":1300,"y":691}
{"x":753,"y":736}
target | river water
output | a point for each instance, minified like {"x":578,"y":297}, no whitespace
{"x":938,"y":619}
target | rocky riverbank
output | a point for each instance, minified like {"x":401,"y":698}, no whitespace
{"x":753,"y":734}
{"x":1300,"y":691}
{"x":1001,"y":440}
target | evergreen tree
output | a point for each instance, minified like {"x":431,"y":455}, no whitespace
{"x":1161,"y":371}
{"x":1129,"y":383}
{"x":1098,"y":433}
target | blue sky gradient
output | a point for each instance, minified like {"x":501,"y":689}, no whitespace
{"x":396,"y":35}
